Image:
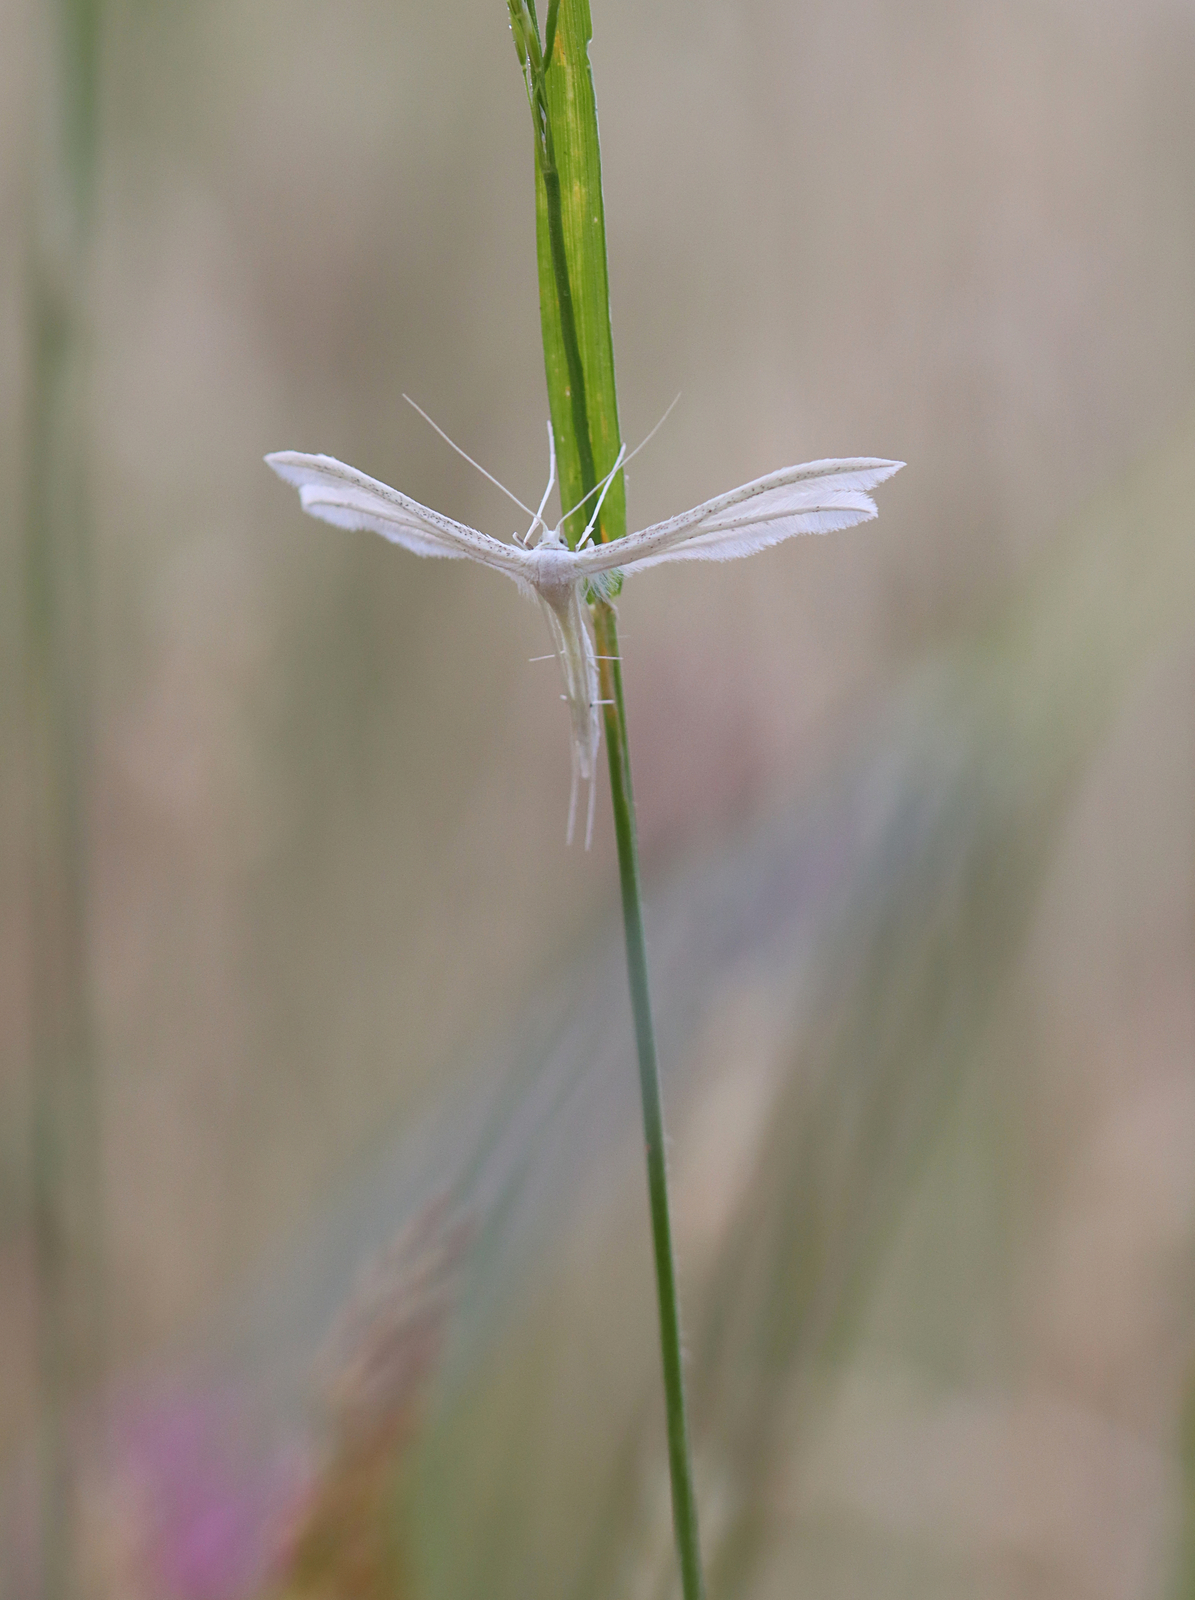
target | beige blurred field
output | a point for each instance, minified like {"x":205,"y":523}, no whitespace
{"x":328,"y":788}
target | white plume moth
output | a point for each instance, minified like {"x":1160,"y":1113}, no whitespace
{"x":819,"y":497}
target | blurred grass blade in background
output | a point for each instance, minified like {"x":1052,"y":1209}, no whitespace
{"x":65,"y":1199}
{"x":968,"y":787}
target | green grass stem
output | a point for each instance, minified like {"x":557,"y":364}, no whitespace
{"x":579,"y":362}
{"x":684,"y":1499}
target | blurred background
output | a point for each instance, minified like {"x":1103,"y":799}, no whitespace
{"x":296,"y":973}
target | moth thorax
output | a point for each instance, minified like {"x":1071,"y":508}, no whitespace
{"x":552,"y":574}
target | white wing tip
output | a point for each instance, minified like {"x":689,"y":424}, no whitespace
{"x":295,"y":466}
{"x":289,"y":465}
{"x":881,"y":468}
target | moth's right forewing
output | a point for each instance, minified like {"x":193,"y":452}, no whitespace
{"x":815,"y":497}
{"x":817,"y":485}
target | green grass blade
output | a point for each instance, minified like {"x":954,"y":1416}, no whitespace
{"x":573,"y":141}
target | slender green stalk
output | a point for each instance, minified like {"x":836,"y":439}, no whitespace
{"x":575,"y":325}
{"x":684,"y":1499}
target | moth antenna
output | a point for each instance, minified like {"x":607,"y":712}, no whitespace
{"x":622,"y":461}
{"x":645,"y":442}
{"x":539,"y":515}
{"x":467,"y":457}
{"x":601,"y":487}
{"x":610,"y":476}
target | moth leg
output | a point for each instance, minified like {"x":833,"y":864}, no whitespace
{"x":572,"y":806}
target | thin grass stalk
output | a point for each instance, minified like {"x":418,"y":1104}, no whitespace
{"x":57,"y":635}
{"x":684,"y":1499}
{"x":575,"y":315}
